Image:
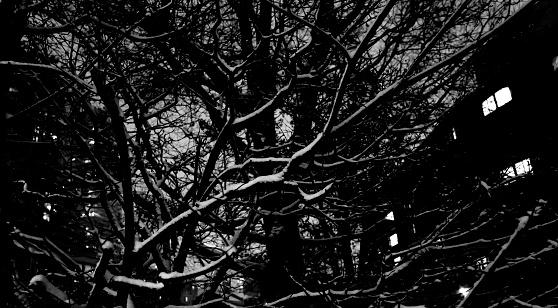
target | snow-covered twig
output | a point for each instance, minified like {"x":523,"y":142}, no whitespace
{"x":311,"y":197}
{"x":490,"y":268}
{"x":40,"y":281}
{"x":241,"y":122}
{"x":199,"y":271}
{"x":138,"y":282}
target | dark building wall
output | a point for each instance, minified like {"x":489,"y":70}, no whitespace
{"x":520,"y":58}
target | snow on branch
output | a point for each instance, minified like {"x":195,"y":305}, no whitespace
{"x":138,"y":282}
{"x":58,"y":197}
{"x":307,"y":293}
{"x":41,"y":280}
{"x":398,"y":269}
{"x":298,"y":156}
{"x":319,"y":193}
{"x":229,"y":193}
{"x":248,"y":162}
{"x":201,"y":205}
{"x":231,"y":250}
{"x":491,"y":266}
{"x":267,"y":106}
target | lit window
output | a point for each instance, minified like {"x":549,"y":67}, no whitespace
{"x":519,"y":168}
{"x":389,"y":216}
{"x":503,"y":96}
{"x":37,"y":132}
{"x":454,"y":133}
{"x":482,"y":263}
{"x":489,"y":105}
{"x":393,"y":240}
{"x":46,"y":217}
{"x":397,"y":260}
{"x":499,"y":99}
{"x":464,"y":291}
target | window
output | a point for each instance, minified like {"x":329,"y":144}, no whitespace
{"x":464,"y":291}
{"x":389,"y":216}
{"x":393,"y":240}
{"x":482,"y":263}
{"x":519,"y":168}
{"x":498,"y":99}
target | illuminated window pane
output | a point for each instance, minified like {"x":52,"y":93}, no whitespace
{"x":519,"y":168}
{"x":523,"y":166}
{"x":499,"y":99}
{"x":393,"y":240}
{"x":482,"y":263}
{"x":389,"y":216}
{"x":464,"y":291}
{"x":503,"y":96}
{"x":454,"y":134}
{"x":509,"y":172}
{"x":397,"y":260}
{"x":489,"y":105}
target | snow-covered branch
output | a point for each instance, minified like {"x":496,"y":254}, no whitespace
{"x":138,"y":282}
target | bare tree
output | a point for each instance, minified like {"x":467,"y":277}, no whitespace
{"x":244,"y":153}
